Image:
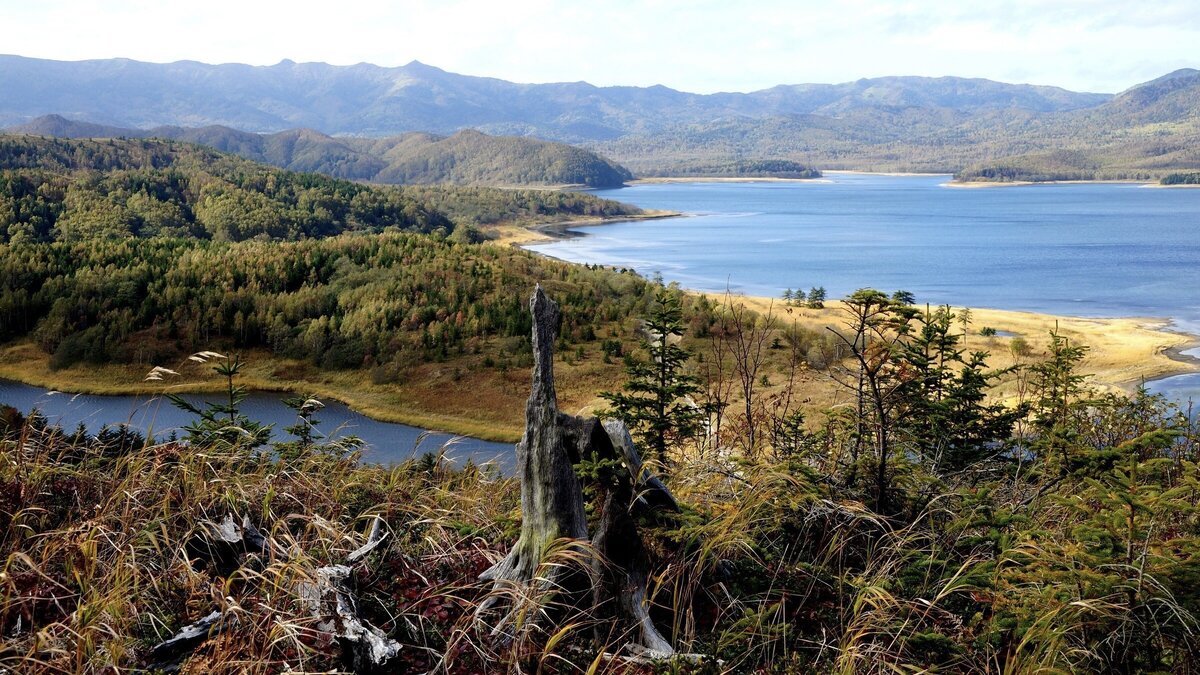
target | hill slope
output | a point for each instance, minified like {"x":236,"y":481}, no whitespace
{"x":124,"y":254}
{"x":964,"y":125}
{"x":1144,"y":132}
{"x":466,"y":158}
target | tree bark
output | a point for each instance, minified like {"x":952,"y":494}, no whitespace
{"x":553,"y":509}
{"x":622,"y":565}
{"x":551,"y":497}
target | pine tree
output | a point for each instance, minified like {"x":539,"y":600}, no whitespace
{"x":816,"y":297}
{"x":655,"y":399}
{"x":223,"y":424}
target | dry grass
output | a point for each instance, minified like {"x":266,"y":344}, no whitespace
{"x":97,"y":565}
{"x":1122,"y":352}
{"x":461,"y":397}
{"x":452,"y":396}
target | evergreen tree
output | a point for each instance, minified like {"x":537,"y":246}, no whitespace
{"x":816,"y":297}
{"x":655,"y":400}
{"x":223,"y":424}
{"x":948,"y":418}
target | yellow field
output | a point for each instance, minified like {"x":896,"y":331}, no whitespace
{"x":1123,"y":352}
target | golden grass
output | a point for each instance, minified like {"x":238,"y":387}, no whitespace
{"x":455,"y":396}
{"x":460,"y":397}
{"x":1123,"y":352}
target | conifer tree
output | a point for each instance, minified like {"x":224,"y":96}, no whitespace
{"x":655,"y":401}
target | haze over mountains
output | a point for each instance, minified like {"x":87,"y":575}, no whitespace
{"x":371,"y":100}
{"x":914,"y":123}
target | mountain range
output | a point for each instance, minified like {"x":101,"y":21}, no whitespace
{"x":971,"y":126}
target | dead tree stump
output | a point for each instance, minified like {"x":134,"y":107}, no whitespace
{"x":551,"y":498}
{"x":552,"y":508}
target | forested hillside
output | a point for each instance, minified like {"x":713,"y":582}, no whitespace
{"x":139,"y":252}
{"x":1144,"y":133}
{"x":973,"y":127}
{"x":466,"y":158}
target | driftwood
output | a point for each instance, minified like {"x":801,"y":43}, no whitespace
{"x":332,"y":601}
{"x":329,"y":596}
{"x":552,"y":508}
{"x":220,"y":546}
{"x":374,"y":539}
{"x":168,"y":656}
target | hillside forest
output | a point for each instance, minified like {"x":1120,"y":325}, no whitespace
{"x":920,"y":524}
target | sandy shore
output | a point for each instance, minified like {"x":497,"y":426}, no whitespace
{"x":1018,"y":183}
{"x":511,"y":234}
{"x":1122,"y":352}
{"x":884,"y":173}
{"x":724,"y":179}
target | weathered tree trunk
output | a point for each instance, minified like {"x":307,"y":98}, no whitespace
{"x":551,"y":498}
{"x":623,"y":565}
{"x":553,"y":509}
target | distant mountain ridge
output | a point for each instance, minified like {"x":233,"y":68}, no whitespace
{"x":944,"y":124}
{"x":370,"y":100}
{"x":466,"y":158}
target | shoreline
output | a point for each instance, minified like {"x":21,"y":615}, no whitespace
{"x":21,"y":362}
{"x":1123,"y":352}
{"x":659,"y":180}
{"x":889,"y":173}
{"x":515,"y":234}
{"x":969,"y":184}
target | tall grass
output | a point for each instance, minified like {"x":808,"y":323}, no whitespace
{"x":770,"y":568}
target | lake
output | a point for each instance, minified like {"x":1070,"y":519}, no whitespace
{"x":1075,"y":249}
{"x":386,"y":442}
{"x":1102,"y":249}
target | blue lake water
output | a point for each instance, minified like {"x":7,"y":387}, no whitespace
{"x":1074,"y":249}
{"x":1081,"y":249}
{"x":385,"y":442}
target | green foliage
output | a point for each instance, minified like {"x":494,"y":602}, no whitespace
{"x":816,"y":297}
{"x":489,"y":206}
{"x":948,"y":418}
{"x":473,"y":158}
{"x":343,"y":302}
{"x":1190,"y":178}
{"x":55,"y":190}
{"x":656,"y":401}
{"x":761,"y":168}
{"x":223,"y":425}
{"x":142,"y":251}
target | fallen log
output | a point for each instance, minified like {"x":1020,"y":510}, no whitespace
{"x":168,"y":656}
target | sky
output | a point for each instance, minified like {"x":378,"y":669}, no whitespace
{"x":700,"y":46}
